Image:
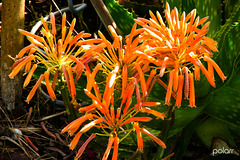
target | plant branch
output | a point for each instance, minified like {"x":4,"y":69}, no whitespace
{"x":104,"y":15}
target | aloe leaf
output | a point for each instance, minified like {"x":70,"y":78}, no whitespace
{"x":121,"y":16}
{"x":212,"y":128}
{"x":213,"y":9}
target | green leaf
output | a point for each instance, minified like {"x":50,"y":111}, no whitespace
{"x":228,"y":37}
{"x":214,"y":128}
{"x":211,"y":8}
{"x":225,"y":105}
{"x":121,"y":16}
{"x":186,"y":135}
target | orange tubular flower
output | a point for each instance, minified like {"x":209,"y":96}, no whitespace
{"x":110,"y":118}
{"x":60,"y":57}
{"x":178,"y":46}
{"x":127,"y":57}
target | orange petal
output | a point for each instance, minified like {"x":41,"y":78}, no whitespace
{"x":139,"y":136}
{"x":180,"y":88}
{"x":29,"y":76}
{"x":169,"y":89}
{"x":24,"y":50}
{"x":76,"y":123}
{"x":216,"y":67}
{"x":76,"y":38}
{"x":90,"y":95}
{"x":134,"y":119}
{"x":26,"y":33}
{"x":124,"y":79}
{"x":153,"y":112}
{"x":138,"y":94}
{"x":28,"y":66}
{"x":96,"y":90}
{"x":32,"y":92}
{"x":151,"y":104}
{"x":72,"y":24}
{"x":127,"y":96}
{"x":79,"y":74}
{"x":35,"y":42}
{"x":186,"y":86}
{"x":32,"y":50}
{"x":142,"y":79}
{"x":65,"y":74}
{"x":49,"y":88}
{"x":54,"y":31}
{"x":64,"y":29}
{"x":208,"y":76}
{"x":80,"y":151}
{"x":112,"y":113}
{"x":202,"y":20}
{"x":87,"y":108}
{"x":110,"y":142}
{"x":160,"y":18}
{"x":118,"y":113}
{"x":91,"y":41}
{"x":150,"y":77}
{"x":115,"y":148}
{"x":192,"y":91}
{"x":64,"y":20}
{"x":44,"y":24}
{"x":157,"y":140}
{"x":91,"y":124}
{"x":20,"y":65}
{"x":18,"y":62}
{"x":163,"y":66}
{"x":175,"y":76}
{"x":75,"y":141}
{"x":210,"y":69}
{"x":197,"y":72}
{"x":55,"y":78}
{"x":71,"y":81}
{"x":92,"y":76}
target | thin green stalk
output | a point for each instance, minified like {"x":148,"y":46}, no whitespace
{"x":67,"y":103}
{"x":167,"y":126}
{"x":136,"y":155}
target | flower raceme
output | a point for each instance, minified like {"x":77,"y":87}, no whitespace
{"x":127,"y":58}
{"x":179,"y":46}
{"x":112,"y":119}
{"x":59,"y":56}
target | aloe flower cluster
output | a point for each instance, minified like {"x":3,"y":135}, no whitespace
{"x":131,"y":65}
{"x":60,"y":56}
{"x":178,"y":47}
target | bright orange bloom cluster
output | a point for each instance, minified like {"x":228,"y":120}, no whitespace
{"x":59,"y":56}
{"x":177,"y":47}
{"x":131,"y":64}
{"x":112,"y":119}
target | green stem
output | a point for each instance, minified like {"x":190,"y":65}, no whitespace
{"x":167,"y":126}
{"x":136,"y":155}
{"x":65,"y":96}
